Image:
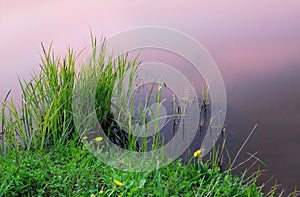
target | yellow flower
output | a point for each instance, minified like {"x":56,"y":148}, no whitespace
{"x":197,"y":153}
{"x":101,"y":192}
{"x":98,"y":139}
{"x":85,"y":138}
{"x":93,"y":195}
{"x":118,"y":183}
{"x":119,"y":195}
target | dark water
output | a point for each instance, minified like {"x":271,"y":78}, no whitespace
{"x":270,"y":100}
{"x":256,"y":46}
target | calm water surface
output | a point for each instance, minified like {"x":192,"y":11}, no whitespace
{"x":256,"y":46}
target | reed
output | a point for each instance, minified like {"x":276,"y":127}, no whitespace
{"x":45,"y":115}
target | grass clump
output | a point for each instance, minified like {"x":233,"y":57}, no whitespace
{"x":45,"y":117}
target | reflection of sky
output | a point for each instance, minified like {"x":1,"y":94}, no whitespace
{"x":247,"y":39}
{"x":244,"y":36}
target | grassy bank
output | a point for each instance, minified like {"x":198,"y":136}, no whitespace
{"x":73,"y":171}
{"x":44,"y":152}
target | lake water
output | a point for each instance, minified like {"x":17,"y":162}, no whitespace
{"x":256,"y":46}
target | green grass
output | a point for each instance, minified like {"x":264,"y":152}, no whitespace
{"x":41,"y":153}
{"x":45,"y":117}
{"x":73,"y":171}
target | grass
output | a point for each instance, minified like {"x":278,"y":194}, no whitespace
{"x":45,"y":117}
{"x":73,"y":171}
{"x":42,"y":153}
